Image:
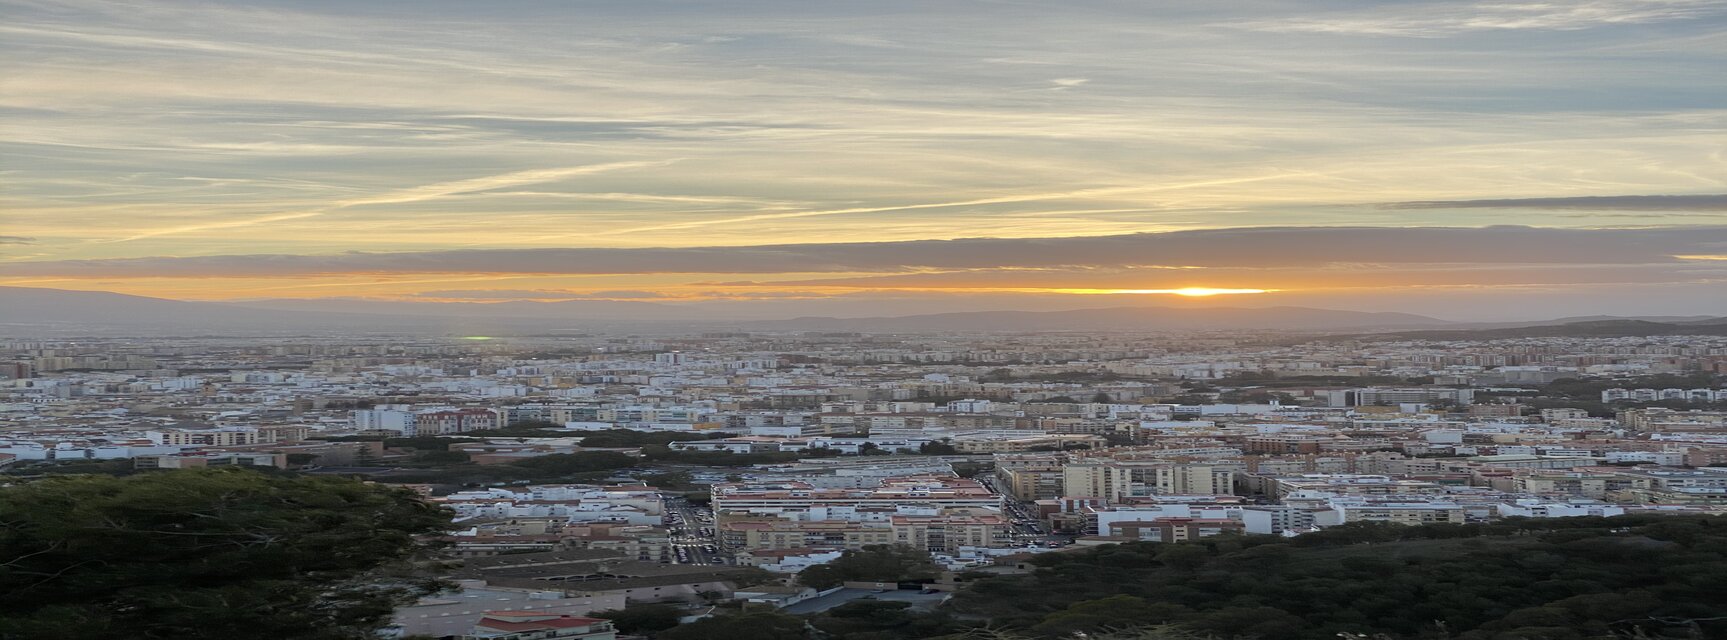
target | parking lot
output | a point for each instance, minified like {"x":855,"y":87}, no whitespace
{"x":919,"y":601}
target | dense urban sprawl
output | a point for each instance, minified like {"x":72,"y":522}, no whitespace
{"x":598,"y":474}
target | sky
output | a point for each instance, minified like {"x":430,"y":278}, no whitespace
{"x":1469,"y":160}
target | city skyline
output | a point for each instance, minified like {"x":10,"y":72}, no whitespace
{"x":1441,"y":158}
{"x":897,"y":320}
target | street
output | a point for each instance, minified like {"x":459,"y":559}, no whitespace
{"x":1027,"y":530}
{"x":693,"y":534}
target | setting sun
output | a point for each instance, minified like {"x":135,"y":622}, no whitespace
{"x":1193,"y":292}
{"x":1204,"y":291}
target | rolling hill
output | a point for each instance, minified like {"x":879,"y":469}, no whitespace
{"x":1124,"y":319}
{"x":1616,"y":328}
{"x":38,"y":311}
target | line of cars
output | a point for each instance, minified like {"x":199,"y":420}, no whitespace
{"x":693,"y":533}
{"x":687,"y":554}
{"x":1028,"y":526}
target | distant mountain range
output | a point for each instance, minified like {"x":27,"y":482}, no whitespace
{"x":1121,"y":319}
{"x":1610,"y":328}
{"x":561,"y":310}
{"x":36,"y":311}
{"x":61,"y":312}
{"x":80,"y":312}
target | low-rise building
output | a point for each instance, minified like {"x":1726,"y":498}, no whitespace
{"x":198,"y":460}
{"x":518,"y":625}
{"x":950,"y":531}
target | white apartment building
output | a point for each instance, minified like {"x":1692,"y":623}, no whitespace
{"x":932,"y":491}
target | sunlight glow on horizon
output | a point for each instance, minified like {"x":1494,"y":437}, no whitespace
{"x":1192,"y":292}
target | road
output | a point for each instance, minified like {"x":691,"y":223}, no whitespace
{"x":1026,"y":528}
{"x":693,"y":533}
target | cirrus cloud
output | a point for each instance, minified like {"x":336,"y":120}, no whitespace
{"x":1708,"y":202}
{"x":1273,"y":247}
{"x":1251,"y":257}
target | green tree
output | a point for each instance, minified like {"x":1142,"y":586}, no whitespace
{"x":435,"y":457}
{"x":1644,"y":576}
{"x":668,"y":480}
{"x":578,"y":462}
{"x":874,"y":563}
{"x":365,"y":457}
{"x":421,"y":443}
{"x":622,"y":438}
{"x":753,"y":625}
{"x":1445,"y":404}
{"x":1184,"y":557}
{"x":1112,"y":612}
{"x":210,"y":553}
{"x":883,"y":620}
{"x":119,"y":467}
{"x":662,"y":453}
{"x":968,"y":469}
{"x":937,"y":449}
{"x":643,"y":618}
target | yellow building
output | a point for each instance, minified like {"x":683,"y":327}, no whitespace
{"x":1031,"y":484}
{"x":947,"y":533}
{"x":1010,"y":445}
{"x":786,"y":534}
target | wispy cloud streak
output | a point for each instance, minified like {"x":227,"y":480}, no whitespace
{"x":1712,"y":202}
{"x":416,"y":194}
{"x":1263,"y":248}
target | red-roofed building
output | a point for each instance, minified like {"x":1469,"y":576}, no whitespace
{"x":522,"y":625}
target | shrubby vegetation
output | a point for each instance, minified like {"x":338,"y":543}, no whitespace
{"x":224,"y":553}
{"x":117,"y":467}
{"x":1559,"y":579}
{"x":578,"y":462}
{"x":206,"y":554}
{"x":875,"y":563}
{"x":671,"y":481}
{"x":642,"y":618}
{"x":749,"y":625}
{"x":633,"y":438}
{"x":586,"y":466}
{"x":941,"y":448}
{"x":603,"y":439}
{"x":662,"y":453}
{"x":1586,"y":394}
{"x":885,"y":620}
{"x":432,"y":461}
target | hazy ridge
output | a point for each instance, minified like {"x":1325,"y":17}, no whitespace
{"x":31,"y":311}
